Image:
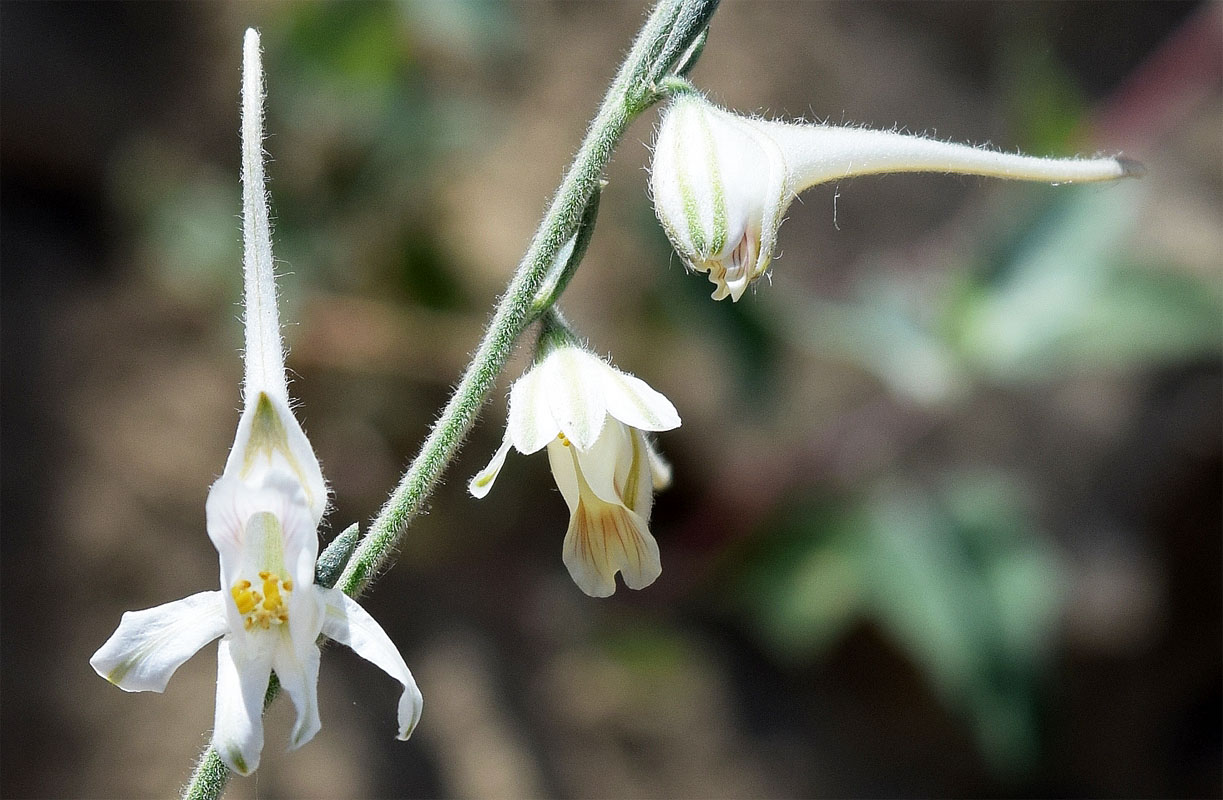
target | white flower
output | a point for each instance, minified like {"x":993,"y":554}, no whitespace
{"x":721,"y":182}
{"x":591,"y":417}
{"x":262,"y":516}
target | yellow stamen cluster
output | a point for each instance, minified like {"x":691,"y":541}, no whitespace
{"x":262,"y":609}
{"x":564,"y":440}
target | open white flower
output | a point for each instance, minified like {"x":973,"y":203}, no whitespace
{"x":262,"y":516}
{"x":721,"y":182}
{"x":591,"y":417}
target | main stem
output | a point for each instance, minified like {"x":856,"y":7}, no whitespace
{"x":670,"y":29}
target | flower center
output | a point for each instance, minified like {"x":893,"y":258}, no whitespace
{"x":262,"y":609}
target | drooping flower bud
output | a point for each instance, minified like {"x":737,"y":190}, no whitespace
{"x":722,"y":182}
{"x":593,"y":420}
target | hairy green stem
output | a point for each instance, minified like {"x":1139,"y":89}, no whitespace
{"x":667,"y":36}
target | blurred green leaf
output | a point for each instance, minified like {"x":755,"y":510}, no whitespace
{"x":362,"y":44}
{"x":185,"y":212}
{"x":424,"y":274}
{"x":801,"y":583}
{"x":958,"y":577}
{"x":1067,"y":298}
{"x":879,"y":336}
{"x":1041,"y":95}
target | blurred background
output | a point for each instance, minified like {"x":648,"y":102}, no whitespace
{"x":946,"y":517}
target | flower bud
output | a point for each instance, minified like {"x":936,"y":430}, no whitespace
{"x":720,"y":188}
{"x":721,"y":182}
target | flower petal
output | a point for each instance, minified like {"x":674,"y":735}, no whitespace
{"x":298,"y":527}
{"x":564,"y":472}
{"x":149,"y":645}
{"x":530,"y":425}
{"x":264,"y":357}
{"x":601,"y":465}
{"x":270,"y":440}
{"x":633,"y":402}
{"x":483,"y":480}
{"x":233,"y":507}
{"x":572,"y":384}
{"x":660,"y":468}
{"x":226,"y":511}
{"x":634,"y":478}
{"x":297,"y":670}
{"x":604,"y":539}
{"x":242,"y":682}
{"x":819,"y":153}
{"x":346,"y":622}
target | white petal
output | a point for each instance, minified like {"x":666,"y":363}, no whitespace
{"x":346,"y":622}
{"x":483,"y":481}
{"x":564,"y":471}
{"x":298,"y":527}
{"x":575,"y":393}
{"x":604,"y":539}
{"x":226,"y":511}
{"x":660,"y":468}
{"x":779,"y":192}
{"x":735,"y":287}
{"x":233,"y":507}
{"x":633,"y":402}
{"x":818,"y":153}
{"x":297,"y":670}
{"x":149,"y":645}
{"x":306,"y":607}
{"x":530,"y":425}
{"x":264,"y":355}
{"x":633,"y":476}
{"x":270,"y":440}
{"x":607,"y":458}
{"x":242,"y":682}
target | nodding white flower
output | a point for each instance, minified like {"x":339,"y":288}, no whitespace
{"x":591,"y":418}
{"x":262,"y":516}
{"x":721,"y":182}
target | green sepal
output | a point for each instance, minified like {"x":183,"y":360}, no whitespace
{"x":334,"y":558}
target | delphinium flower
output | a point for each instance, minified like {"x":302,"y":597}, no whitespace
{"x":262,"y":516}
{"x":722,"y":182}
{"x":592,"y":419}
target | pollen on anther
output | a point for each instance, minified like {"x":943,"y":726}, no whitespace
{"x":244,"y":599}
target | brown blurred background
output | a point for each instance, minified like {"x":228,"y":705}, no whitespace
{"x":946,"y":518}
